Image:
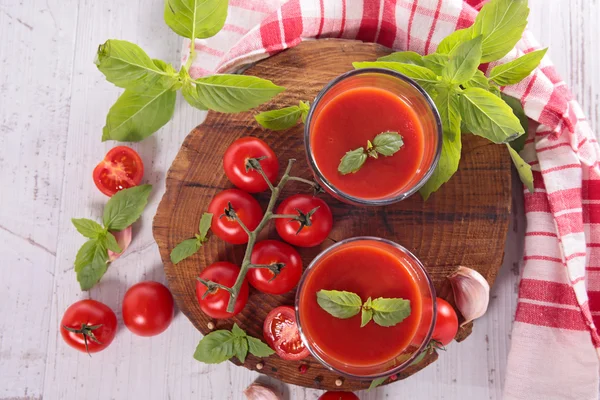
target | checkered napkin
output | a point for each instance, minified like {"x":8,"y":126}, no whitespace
{"x":555,"y":344}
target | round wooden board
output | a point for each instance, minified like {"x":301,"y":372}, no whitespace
{"x":464,"y":223}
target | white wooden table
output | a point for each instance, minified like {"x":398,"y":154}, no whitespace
{"x":53,"y":102}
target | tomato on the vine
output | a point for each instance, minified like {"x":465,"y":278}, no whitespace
{"x":271,"y":252}
{"x":214,"y":303}
{"x":147,"y":308}
{"x":446,"y":324}
{"x":121,"y":168}
{"x":235,"y":163}
{"x":281,"y":333}
{"x":311,"y":227}
{"x":224,"y":224}
{"x":339,"y":396}
{"x":88,"y":326}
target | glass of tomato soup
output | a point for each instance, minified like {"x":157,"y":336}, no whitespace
{"x":349,"y":113}
{"x":373,"y":268}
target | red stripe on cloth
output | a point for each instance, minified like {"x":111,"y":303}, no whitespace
{"x":575,"y":255}
{"x":235,"y":28}
{"x":387,"y":31}
{"x":291,"y":17}
{"x":590,"y":189}
{"x":548,"y":234}
{"x":528,"y":89}
{"x":543,"y":258}
{"x":594,"y":300}
{"x":369,"y":22}
{"x":322,"y":22}
{"x":560,"y":168}
{"x":209,"y":50}
{"x":591,"y":214}
{"x":566,"y":199}
{"x":553,"y":317}
{"x":538,"y":179}
{"x":270,"y":34}
{"x":432,"y":29}
{"x":551,"y":74}
{"x":343,"y":19}
{"x":410,"y":22}
{"x":542,"y":149}
{"x":537,"y":201}
{"x":550,"y":292}
{"x":568,"y":223}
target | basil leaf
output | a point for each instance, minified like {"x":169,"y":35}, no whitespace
{"x":185,"y":249}
{"x":390,"y":312}
{"x":125,"y":207}
{"x":352,"y":161}
{"x":340,"y":304}
{"x":126,"y":65}
{"x":240,"y":348}
{"x":447,"y":102}
{"x":204,"y":225}
{"x":405,"y":57}
{"x":195,"y":19}
{"x":446,"y":167}
{"x":435,"y":62}
{"x":234,"y":93}
{"x":523,"y":168}
{"x":91,"y":263}
{"x":453,"y":40}
{"x":479,"y":80}
{"x":519,"y":143}
{"x":237,"y":331}
{"x":516,"y":70}
{"x":488,"y":116}
{"x":388,"y":143}
{"x":88,"y":228}
{"x":278,"y":120}
{"x":376,"y":382}
{"x":501,"y":22}
{"x":304,"y":108}
{"x":258,"y":348}
{"x":136,"y":116}
{"x":216,"y":347}
{"x":423,"y":76}
{"x":420,"y":357}
{"x":463,"y":61}
{"x":366,"y":313}
{"x":111,"y":243}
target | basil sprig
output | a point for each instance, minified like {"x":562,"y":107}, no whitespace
{"x":123,"y":209}
{"x":283,"y":118}
{"x":189,"y":247}
{"x":221,"y":345}
{"x":386,"y":144}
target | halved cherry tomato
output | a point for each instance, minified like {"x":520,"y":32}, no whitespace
{"x":246,"y":208}
{"x":147,"y":308}
{"x":88,"y":326}
{"x":318,"y":225}
{"x":281,"y":333}
{"x":339,"y":396}
{"x":235,"y":164}
{"x":269,"y":252}
{"x":121,"y":168}
{"x":215,"y":303}
{"x":446,"y":323}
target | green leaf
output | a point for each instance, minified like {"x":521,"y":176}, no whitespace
{"x":453,"y":40}
{"x":447,"y":103}
{"x":189,"y":91}
{"x":388,"y":143}
{"x":489,"y":116}
{"x":111,"y":243}
{"x":389,"y":312}
{"x":376,"y":382}
{"x":519,"y":143}
{"x":366,"y":313}
{"x":237,"y":331}
{"x":304,"y":107}
{"x":91,"y":263}
{"x":85,"y":254}
{"x":405,"y":57}
{"x":234,"y":93}
{"x":125,"y":207}
{"x":479,"y":80}
{"x":88,"y":228}
{"x":447,"y":166}
{"x":126,"y":65}
{"x":204,"y":226}
{"x":216,"y":347}
{"x":352,"y":161}
{"x":516,"y":70}
{"x":258,"y":348}
{"x":523,"y":168}
{"x":501,"y":22}
{"x":463,"y":61}
{"x":420,"y":357}
{"x":278,"y":120}
{"x":195,"y":19}
{"x":185,"y":249}
{"x":136,"y":116}
{"x":340,"y":304}
{"x":435,"y":62}
{"x":240,"y":348}
{"x":423,"y":76}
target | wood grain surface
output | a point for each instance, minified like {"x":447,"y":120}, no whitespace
{"x":465,"y":223}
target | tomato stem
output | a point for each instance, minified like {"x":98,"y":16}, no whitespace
{"x":88,"y":334}
{"x":275,"y":268}
{"x":254,"y":163}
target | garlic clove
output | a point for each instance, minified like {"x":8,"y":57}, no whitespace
{"x":123,"y":239}
{"x":471,"y":293}
{"x":260,"y":392}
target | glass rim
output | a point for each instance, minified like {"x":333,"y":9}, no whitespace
{"x":358,"y":200}
{"x":399,"y":367}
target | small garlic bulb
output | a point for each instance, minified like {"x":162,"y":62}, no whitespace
{"x":471,"y":293}
{"x":260,"y":392}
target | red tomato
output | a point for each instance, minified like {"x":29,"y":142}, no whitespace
{"x":121,"y":168}
{"x":236,"y":157}
{"x":313,"y":233}
{"x":446,"y":324}
{"x":245,"y":206}
{"x":147,"y":308}
{"x":339,"y":396}
{"x":88,"y":326}
{"x":281,"y":333}
{"x":270,"y":252}
{"x":215,"y":303}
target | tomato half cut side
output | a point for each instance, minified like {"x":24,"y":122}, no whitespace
{"x":281,"y":333}
{"x":121,"y":168}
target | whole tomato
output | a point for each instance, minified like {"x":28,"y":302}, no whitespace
{"x":147,"y":308}
{"x":88,"y":326}
{"x":240,"y":172}
{"x":271,"y":252}
{"x":446,"y":324}
{"x":312,"y":224}
{"x":224,"y":225}
{"x":339,"y":396}
{"x":214,"y":303}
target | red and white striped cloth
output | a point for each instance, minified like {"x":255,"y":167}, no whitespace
{"x":555,"y":343}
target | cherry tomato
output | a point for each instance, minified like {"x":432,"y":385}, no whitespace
{"x":215,"y":303}
{"x":235,"y":164}
{"x":121,"y":168}
{"x":446,"y":324}
{"x":339,"y":396}
{"x":269,"y":252}
{"x":147,"y":308}
{"x":281,"y":333}
{"x":245,"y":207}
{"x":88,"y":326}
{"x":318,"y":226}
